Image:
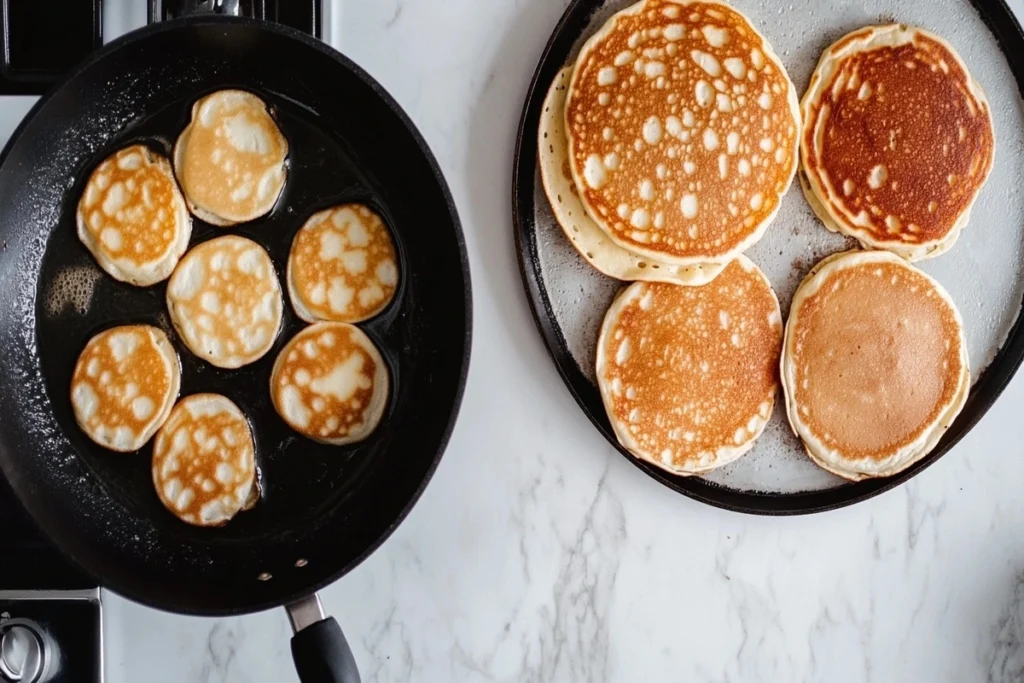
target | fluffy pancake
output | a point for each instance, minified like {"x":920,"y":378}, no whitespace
{"x":124,"y":385}
{"x":230,"y":160}
{"x":330,"y":383}
{"x":204,"y":466}
{"x":682,"y":128}
{"x":897,"y":140}
{"x":342,"y":266}
{"x":132,"y":218}
{"x":590,"y":241}
{"x":225,"y":301}
{"x":874,"y":364}
{"x":688,"y":375}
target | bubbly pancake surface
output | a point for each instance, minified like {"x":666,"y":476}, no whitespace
{"x":875,"y":363}
{"x":330,"y":383}
{"x":132,"y":217}
{"x":123,"y":386}
{"x":688,"y":375}
{"x":204,"y":467}
{"x":230,"y":159}
{"x":683,"y":130}
{"x":225,"y":301}
{"x":589,"y":240}
{"x":342,"y":265}
{"x":897,"y":140}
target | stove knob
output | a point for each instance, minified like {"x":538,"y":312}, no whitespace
{"x":21,"y":654}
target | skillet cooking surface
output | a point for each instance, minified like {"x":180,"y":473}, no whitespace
{"x":329,"y":506}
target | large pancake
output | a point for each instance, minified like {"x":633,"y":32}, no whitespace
{"x":132,"y":218}
{"x":342,"y":265}
{"x":225,"y":301}
{"x":230,"y":159}
{"x":124,"y":385}
{"x":584,"y":234}
{"x":682,"y":128}
{"x":204,"y":466}
{"x":688,"y":375}
{"x":897,"y":140}
{"x":874,"y":364}
{"x":330,"y":383}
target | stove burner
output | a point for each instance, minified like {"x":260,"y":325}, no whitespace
{"x":51,"y":637}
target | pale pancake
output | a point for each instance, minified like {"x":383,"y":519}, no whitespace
{"x":342,"y":266}
{"x":874,"y":364}
{"x":230,"y":160}
{"x":688,"y":375}
{"x":330,"y":383}
{"x":897,"y":140}
{"x":132,"y":218}
{"x":590,"y":241}
{"x":124,"y":385}
{"x":225,"y":301}
{"x":683,"y":131}
{"x":204,"y":465}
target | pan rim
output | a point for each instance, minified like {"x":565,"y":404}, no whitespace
{"x":1009,"y":35}
{"x":152,"y":599}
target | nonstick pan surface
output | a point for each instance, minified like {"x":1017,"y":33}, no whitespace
{"x":324,"y":508}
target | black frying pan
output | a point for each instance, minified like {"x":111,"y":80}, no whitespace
{"x":324,"y":509}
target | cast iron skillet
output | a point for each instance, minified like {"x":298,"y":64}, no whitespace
{"x":324,"y":509}
{"x":573,"y":23}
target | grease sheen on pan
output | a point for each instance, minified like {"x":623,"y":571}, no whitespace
{"x":132,"y":218}
{"x":330,"y":383}
{"x":230,"y":159}
{"x":688,"y":375}
{"x":584,"y":234}
{"x":342,"y":265}
{"x":874,"y":364}
{"x":124,"y":384}
{"x":204,"y":465}
{"x":897,"y":140}
{"x":225,"y":301}
{"x":683,"y":130}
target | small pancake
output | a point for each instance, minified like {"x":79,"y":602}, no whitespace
{"x":132,"y":218}
{"x":590,"y":241}
{"x":688,"y":375}
{"x":342,"y":266}
{"x":230,"y":160}
{"x":204,"y":465}
{"x":330,"y":383}
{"x":897,"y":140}
{"x":124,"y":385}
{"x":225,"y":301}
{"x":874,"y":364}
{"x":683,"y":131}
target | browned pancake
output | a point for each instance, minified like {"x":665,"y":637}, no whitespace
{"x":682,"y":128}
{"x":897,"y":140}
{"x":688,"y":375}
{"x":875,"y":363}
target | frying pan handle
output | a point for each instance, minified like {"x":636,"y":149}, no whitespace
{"x":319,"y":648}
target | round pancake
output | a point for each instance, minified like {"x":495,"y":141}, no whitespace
{"x":204,"y":466}
{"x":342,"y":266}
{"x":230,"y":160}
{"x":225,"y":301}
{"x":132,"y":218}
{"x":897,"y":140}
{"x":688,"y":375}
{"x":124,"y":385}
{"x":683,"y":131}
{"x":590,"y":241}
{"x":874,"y":364}
{"x":330,"y":383}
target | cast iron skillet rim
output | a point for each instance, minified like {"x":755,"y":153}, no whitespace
{"x":996,"y":377}
{"x":152,"y":29}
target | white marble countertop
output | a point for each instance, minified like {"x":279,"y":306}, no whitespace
{"x":539,"y":554}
